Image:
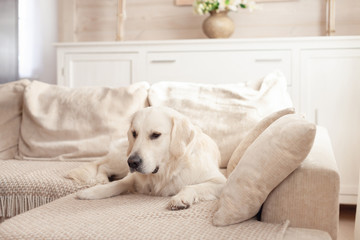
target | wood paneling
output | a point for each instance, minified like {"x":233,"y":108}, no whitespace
{"x":66,"y":21}
{"x":96,"y":20}
{"x":87,"y":20}
{"x":162,"y":19}
{"x":183,"y":2}
{"x":190,"y":2}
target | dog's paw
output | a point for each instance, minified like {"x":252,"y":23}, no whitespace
{"x":82,"y":195}
{"x":178,"y":203}
{"x":86,"y":194}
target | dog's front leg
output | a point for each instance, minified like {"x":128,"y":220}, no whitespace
{"x":108,"y":190}
{"x":188,"y":195}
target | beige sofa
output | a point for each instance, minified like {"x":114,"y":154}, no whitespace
{"x":48,"y":130}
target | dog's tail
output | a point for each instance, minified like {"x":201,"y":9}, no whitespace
{"x":85,"y":174}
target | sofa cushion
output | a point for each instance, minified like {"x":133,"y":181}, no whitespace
{"x":29,"y":184}
{"x":277,"y":152}
{"x":252,"y":135}
{"x":313,"y":186}
{"x":76,"y":124}
{"x":225,"y":112}
{"x":11,"y":104}
{"x":131,"y":216}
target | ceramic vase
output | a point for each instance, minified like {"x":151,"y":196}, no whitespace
{"x":218,"y":25}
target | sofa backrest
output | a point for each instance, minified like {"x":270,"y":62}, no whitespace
{"x":225,"y":112}
{"x":76,"y":124}
{"x":11,"y":104}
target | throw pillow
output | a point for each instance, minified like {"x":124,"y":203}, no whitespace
{"x":11,"y":104}
{"x":252,"y":135}
{"x":61,"y":123}
{"x":276,"y":153}
{"x":225,"y":112}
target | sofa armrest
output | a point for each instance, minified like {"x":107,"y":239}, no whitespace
{"x":309,"y":197}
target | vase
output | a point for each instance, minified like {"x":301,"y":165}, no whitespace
{"x":218,"y":25}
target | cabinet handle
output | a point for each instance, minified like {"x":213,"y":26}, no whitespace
{"x":163,"y":61}
{"x":316,"y":116}
{"x":268,"y":60}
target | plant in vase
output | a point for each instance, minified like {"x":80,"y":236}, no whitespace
{"x":218,"y":24}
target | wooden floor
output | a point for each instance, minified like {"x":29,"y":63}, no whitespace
{"x":347,"y":222}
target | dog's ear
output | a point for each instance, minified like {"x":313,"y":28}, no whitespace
{"x":130,"y":140}
{"x":182,"y":134}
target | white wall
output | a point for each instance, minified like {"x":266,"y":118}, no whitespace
{"x":37,"y":34}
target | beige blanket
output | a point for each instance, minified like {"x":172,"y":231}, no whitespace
{"x":61,"y":123}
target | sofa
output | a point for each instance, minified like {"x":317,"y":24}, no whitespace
{"x":48,"y":130}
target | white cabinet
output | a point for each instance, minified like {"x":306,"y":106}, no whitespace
{"x":216,"y":66}
{"x":330,"y":82}
{"x":97,"y":69}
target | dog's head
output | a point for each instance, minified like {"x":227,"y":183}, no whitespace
{"x":156,"y":136}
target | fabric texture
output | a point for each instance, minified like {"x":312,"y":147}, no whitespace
{"x":11,"y":104}
{"x":225,"y":112}
{"x":313,"y":186}
{"x":276,"y":153}
{"x":29,"y":184}
{"x":131,"y":216}
{"x":306,"y":234}
{"x":76,"y":124}
{"x":252,"y":135}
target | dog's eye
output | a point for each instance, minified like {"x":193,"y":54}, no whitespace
{"x":134,"y":133}
{"x":155,"y":135}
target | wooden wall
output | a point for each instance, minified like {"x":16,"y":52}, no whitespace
{"x":93,"y":20}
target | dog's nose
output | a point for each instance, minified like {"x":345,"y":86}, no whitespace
{"x":134,"y":161}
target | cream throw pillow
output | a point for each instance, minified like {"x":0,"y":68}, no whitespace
{"x":225,"y":112}
{"x":252,"y":135}
{"x":277,"y":152}
{"x":11,"y":104}
{"x":61,"y":123}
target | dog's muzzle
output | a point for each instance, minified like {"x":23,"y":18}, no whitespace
{"x":135,"y":164}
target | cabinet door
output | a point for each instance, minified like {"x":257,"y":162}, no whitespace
{"x":330,"y":82}
{"x":217,"y":66}
{"x":99,"y":69}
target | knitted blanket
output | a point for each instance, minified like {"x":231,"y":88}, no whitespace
{"x":29,"y":184}
{"x":131,"y":216}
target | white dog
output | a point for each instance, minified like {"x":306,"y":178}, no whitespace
{"x":168,"y":156}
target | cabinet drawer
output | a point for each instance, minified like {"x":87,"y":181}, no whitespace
{"x":217,"y":66}
{"x":99,"y":69}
